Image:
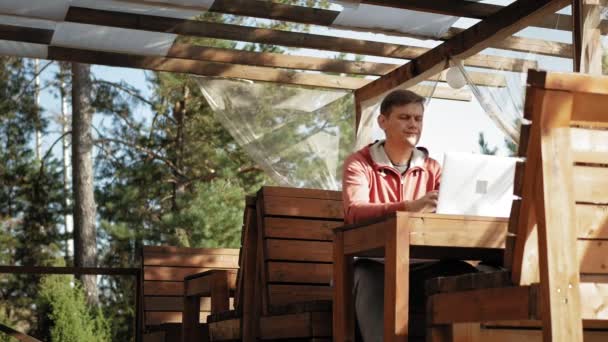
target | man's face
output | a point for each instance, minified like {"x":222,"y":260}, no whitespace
{"x":403,"y":124}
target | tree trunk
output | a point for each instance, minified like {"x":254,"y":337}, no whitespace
{"x":67,"y":234}
{"x":85,"y":241}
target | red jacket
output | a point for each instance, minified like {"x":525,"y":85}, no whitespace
{"x":372,"y":187}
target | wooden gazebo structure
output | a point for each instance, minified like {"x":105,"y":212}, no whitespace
{"x":145,"y":34}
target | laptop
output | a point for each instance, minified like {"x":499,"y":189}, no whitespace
{"x":477,"y":185}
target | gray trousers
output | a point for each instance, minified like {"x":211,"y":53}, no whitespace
{"x":369,"y":291}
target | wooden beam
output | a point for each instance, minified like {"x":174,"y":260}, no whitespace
{"x":274,"y":37}
{"x":322,"y":17}
{"x":26,"y":34}
{"x":205,"y":68}
{"x":467,"y":43}
{"x":226,"y":70}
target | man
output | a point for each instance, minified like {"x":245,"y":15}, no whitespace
{"x":384,"y":177}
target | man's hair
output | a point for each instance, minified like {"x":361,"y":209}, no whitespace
{"x":399,"y":97}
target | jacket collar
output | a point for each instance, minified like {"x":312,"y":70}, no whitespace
{"x":380,"y":158}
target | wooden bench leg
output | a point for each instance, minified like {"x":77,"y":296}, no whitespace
{"x":220,"y":292}
{"x":343,"y":308}
{"x":191,"y":319}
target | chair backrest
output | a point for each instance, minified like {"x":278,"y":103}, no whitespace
{"x":560,"y":226}
{"x":164,"y":269}
{"x":295,"y":232}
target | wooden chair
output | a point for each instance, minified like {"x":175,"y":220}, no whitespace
{"x":220,"y":285}
{"x":291,"y":294}
{"x":557,"y":254}
{"x":163,"y":272}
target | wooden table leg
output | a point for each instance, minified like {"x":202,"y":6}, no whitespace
{"x":343,"y":309}
{"x":396,"y":284}
{"x":191,"y":319}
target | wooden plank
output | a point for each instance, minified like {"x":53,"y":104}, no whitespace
{"x":202,"y":286}
{"x":431,"y":230}
{"x":191,"y":260}
{"x":170,"y":250}
{"x":226,"y":330}
{"x":594,"y":299}
{"x":163,"y":288}
{"x":249,"y":274}
{"x":589,"y":146}
{"x":323,"y":17}
{"x":396,"y":282}
{"x":303,"y":207}
{"x":26,"y":34}
{"x":498,"y":26}
{"x":592,"y":221}
{"x":573,"y":82}
{"x":518,"y":335}
{"x":286,"y":326}
{"x":537,"y":324}
{"x":286,"y":294}
{"x":589,"y":110}
{"x":298,"y":250}
{"x":160,"y":317}
{"x":278,"y":60}
{"x":172,"y":303}
{"x":559,"y":271}
{"x":269,"y":36}
{"x":301,"y":193}
{"x":171,"y":273}
{"x":204,"y":68}
{"x":593,"y":256}
{"x":367,"y":237}
{"x":290,"y":272}
{"x":591,"y":184}
{"x":510,"y":303}
{"x":301,"y":229}
{"x":321,"y":324}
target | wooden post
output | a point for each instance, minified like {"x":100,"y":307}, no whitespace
{"x":191,"y":317}
{"x":590,"y":36}
{"x":396,"y":282}
{"x":343,"y":309}
{"x":220,"y":292}
{"x":557,"y":235}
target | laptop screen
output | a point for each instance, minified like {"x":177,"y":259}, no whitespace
{"x":475,"y":184}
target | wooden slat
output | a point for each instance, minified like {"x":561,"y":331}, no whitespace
{"x":498,"y":26}
{"x":171,"y":250}
{"x":266,"y":36}
{"x":573,"y":82}
{"x":204,"y":68}
{"x":287,"y":272}
{"x":202,"y":286}
{"x":191,"y":260}
{"x":316,"y":16}
{"x":587,"y":324}
{"x":286,"y":294}
{"x":591,"y":184}
{"x":321,"y":324}
{"x":160,"y":317}
{"x":303,"y":207}
{"x":593,"y":256}
{"x":589,"y":145}
{"x":512,"y":303}
{"x":226,"y":330}
{"x":298,"y":250}
{"x":171,"y":273}
{"x":518,"y":335}
{"x":590,"y":109}
{"x":26,"y":34}
{"x":302,"y":193}
{"x":286,"y":326}
{"x":172,"y":303}
{"x":163,"y":288}
{"x":592,"y":221}
{"x":288,"y":228}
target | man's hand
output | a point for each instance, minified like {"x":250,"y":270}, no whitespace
{"x":425,"y":204}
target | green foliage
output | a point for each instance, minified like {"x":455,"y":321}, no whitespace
{"x":71,"y":320}
{"x":484,"y":147}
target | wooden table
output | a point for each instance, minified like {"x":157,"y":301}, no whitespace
{"x":429,"y":236}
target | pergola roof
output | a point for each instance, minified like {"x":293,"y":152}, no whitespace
{"x":144,"y":34}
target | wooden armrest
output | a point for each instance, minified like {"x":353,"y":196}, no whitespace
{"x":202,"y":284}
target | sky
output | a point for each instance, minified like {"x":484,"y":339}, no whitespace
{"x":449,"y":125}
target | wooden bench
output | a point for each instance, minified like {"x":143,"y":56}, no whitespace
{"x":163,"y":270}
{"x":290,"y":272}
{"x":557,"y":253}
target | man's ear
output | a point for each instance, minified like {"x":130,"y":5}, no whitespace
{"x":381,"y":121}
